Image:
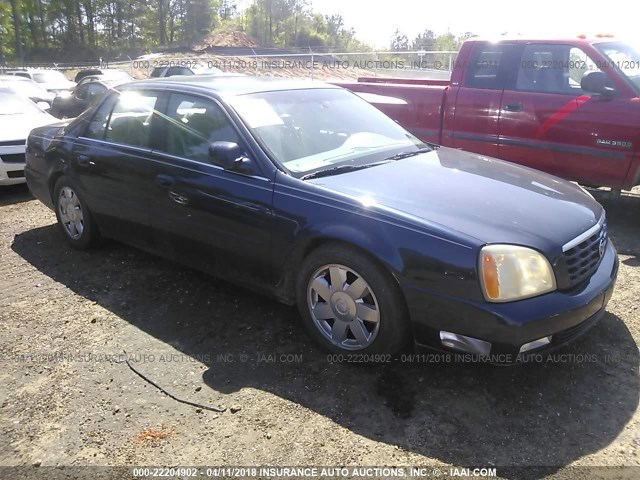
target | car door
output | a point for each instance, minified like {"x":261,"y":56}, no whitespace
{"x":203,"y":215}
{"x":549,"y":123}
{"x":111,"y":163}
{"x":477,"y":102}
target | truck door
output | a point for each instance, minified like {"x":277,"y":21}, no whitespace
{"x":477,"y":102}
{"x":549,"y":123}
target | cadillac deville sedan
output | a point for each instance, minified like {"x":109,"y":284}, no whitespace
{"x":306,"y":192}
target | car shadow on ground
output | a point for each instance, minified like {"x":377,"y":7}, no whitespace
{"x":543,"y":414}
{"x":12,"y":194}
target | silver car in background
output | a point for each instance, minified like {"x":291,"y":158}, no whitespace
{"x":18,"y":116}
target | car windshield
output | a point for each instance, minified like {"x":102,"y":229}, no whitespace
{"x":27,"y":88}
{"x":12,"y":104}
{"x":625,"y":58}
{"x":310,"y":130}
{"x":49,"y":76}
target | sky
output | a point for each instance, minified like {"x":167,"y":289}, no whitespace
{"x":376,"y":25}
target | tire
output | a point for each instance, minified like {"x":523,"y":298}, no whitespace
{"x":365,"y":314}
{"x":74,"y":218}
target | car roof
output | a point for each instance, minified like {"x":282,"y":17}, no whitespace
{"x":230,"y":85}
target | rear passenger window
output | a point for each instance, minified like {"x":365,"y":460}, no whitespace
{"x":130,"y":122}
{"x":98,"y":124}
{"x":194,"y":123}
{"x":487,"y":66}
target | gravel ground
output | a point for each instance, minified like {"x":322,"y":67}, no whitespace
{"x":67,"y":397}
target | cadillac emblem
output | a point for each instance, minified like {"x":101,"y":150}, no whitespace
{"x":602,"y":246}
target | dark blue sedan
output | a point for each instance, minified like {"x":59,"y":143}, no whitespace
{"x":306,"y":192}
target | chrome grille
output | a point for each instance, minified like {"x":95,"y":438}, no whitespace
{"x":583,"y":259}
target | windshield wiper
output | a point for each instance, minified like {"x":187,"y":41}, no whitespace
{"x":401,"y":155}
{"x":341,"y":169}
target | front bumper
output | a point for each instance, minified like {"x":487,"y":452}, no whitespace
{"x":12,"y":164}
{"x":563,"y":316}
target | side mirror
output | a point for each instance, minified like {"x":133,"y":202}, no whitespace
{"x":43,"y":105}
{"x":230,"y":156}
{"x":596,"y":82}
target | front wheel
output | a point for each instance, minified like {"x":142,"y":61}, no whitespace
{"x":351,"y":304}
{"x":74,"y":218}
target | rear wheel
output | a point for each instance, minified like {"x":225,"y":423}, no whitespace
{"x":351,"y":304}
{"x":74,"y":218}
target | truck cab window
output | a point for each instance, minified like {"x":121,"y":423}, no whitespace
{"x":579,"y":65}
{"x":486,"y":69}
{"x":553,"y":69}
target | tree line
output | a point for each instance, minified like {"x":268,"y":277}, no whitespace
{"x":83,"y":30}
{"x":427,"y":41}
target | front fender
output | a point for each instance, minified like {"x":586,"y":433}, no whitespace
{"x":306,"y":217}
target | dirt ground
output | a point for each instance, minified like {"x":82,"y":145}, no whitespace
{"x":67,"y":397}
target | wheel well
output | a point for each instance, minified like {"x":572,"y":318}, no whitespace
{"x":52,"y":184}
{"x":316,"y":243}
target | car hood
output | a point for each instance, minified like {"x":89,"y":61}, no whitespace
{"x":488,"y":199}
{"x":18,"y":126}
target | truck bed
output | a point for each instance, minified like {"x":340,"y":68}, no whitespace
{"x":415,"y":104}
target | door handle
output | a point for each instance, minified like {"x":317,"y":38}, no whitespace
{"x":513,"y":107}
{"x":165,"y":181}
{"x":180,"y":199}
{"x":84,"y":160}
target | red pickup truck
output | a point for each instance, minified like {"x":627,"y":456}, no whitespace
{"x":568,"y":107}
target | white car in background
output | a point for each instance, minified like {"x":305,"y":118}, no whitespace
{"x":28,"y":88}
{"x":18,"y":116}
{"x":53,"y":80}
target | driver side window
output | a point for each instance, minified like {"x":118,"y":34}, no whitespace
{"x":553,"y":69}
{"x":579,"y":65}
{"x":192,"y":124}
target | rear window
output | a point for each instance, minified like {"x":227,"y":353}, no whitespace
{"x":178,"y":71}
{"x":49,"y":76}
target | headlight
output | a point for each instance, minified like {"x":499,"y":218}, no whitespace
{"x":510,"y":272}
